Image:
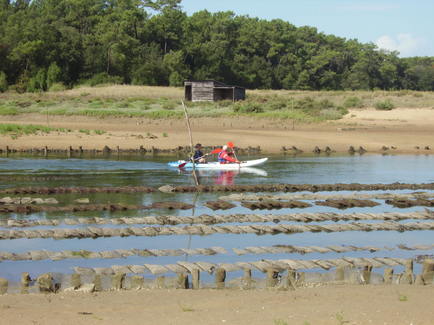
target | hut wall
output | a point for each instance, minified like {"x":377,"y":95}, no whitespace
{"x":202,"y":91}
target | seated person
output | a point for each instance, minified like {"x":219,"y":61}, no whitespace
{"x":225,"y":157}
{"x":198,"y":156}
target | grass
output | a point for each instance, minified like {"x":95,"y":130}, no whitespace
{"x":186,"y":308}
{"x":280,"y":322}
{"x":165,"y":103}
{"x":17,"y":130}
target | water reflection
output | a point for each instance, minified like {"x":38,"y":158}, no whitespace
{"x":221,"y":177}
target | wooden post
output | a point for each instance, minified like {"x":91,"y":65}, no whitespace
{"x":97,"y":282}
{"x":182,"y":281}
{"x":220,"y":277}
{"x":160,"y":282}
{"x":388,"y":275}
{"x":195,"y":278}
{"x":367,"y":274}
{"x":340,"y":273}
{"x":137,"y":282}
{"x":25,"y":282}
{"x":408,"y":276}
{"x":290,"y":279}
{"x":3,"y":286}
{"x":118,"y":281}
{"x":247,"y":279}
{"x":428,"y":271}
{"x":191,"y":141}
{"x":75,"y":281}
{"x":272,"y":278}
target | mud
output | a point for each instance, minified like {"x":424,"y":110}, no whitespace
{"x":347,"y":203}
{"x":270,"y":205}
{"x":28,"y":209}
{"x":407,"y":203}
{"x":219,"y":205}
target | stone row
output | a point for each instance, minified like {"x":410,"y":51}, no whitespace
{"x":289,"y":196}
{"x":123,"y":253}
{"x":223,"y":188}
{"x":202,"y":230}
{"x":262,"y":265}
{"x":117,"y":253}
{"x":220,"y":219}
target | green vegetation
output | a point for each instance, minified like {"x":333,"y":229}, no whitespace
{"x":71,"y":42}
{"x":385,"y":105}
{"x":280,"y":322}
{"x":18,"y":130}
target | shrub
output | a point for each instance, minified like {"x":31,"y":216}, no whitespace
{"x":54,"y":75}
{"x":248,"y":108}
{"x":3,"y":82}
{"x":58,"y":86}
{"x":385,"y":105}
{"x":353,"y":102}
{"x":38,"y":82}
{"x":104,"y":78}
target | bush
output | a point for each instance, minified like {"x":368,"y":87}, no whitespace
{"x":353,"y":102}
{"x":38,"y":82}
{"x":247,"y":108}
{"x":386,"y":105}
{"x":3,"y":82}
{"x":58,"y":86}
{"x":54,"y":75}
{"x":104,"y":78}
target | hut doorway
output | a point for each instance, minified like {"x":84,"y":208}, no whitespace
{"x":187,"y":91}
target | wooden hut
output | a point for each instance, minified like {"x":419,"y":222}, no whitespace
{"x":211,"y":90}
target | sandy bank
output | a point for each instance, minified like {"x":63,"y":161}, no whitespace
{"x":401,"y":130}
{"x":377,"y":304}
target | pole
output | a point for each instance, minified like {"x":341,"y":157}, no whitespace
{"x":191,"y":141}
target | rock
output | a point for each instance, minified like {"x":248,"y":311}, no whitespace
{"x":7,"y":200}
{"x":82,"y":201}
{"x":25,"y":282}
{"x":26,"y":200}
{"x":137,"y":282}
{"x":38,"y":200}
{"x":166,"y":189}
{"x":87,"y":288}
{"x":51,"y":200}
{"x":3,"y":286}
{"x":45,"y":282}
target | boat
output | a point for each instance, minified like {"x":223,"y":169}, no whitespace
{"x":217,"y":165}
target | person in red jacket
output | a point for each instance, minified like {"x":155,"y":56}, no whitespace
{"x":225,"y":157}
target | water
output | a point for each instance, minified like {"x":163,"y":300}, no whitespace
{"x":18,"y":171}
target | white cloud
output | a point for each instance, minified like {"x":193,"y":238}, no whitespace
{"x":406,"y":44}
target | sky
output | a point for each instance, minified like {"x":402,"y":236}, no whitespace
{"x":400,"y":25}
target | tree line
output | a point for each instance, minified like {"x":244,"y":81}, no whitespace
{"x":44,"y":43}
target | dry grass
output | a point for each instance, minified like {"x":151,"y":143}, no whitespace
{"x":165,"y":102}
{"x":123,"y":91}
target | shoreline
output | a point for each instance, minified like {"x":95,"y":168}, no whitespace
{"x":374,"y":131}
